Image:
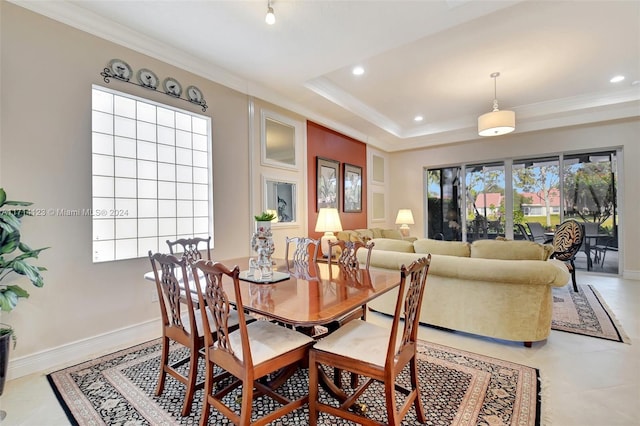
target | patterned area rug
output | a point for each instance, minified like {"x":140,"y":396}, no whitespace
{"x":585,"y":313}
{"x":458,"y":388}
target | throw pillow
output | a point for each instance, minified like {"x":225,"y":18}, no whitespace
{"x":510,"y":250}
{"x":392,"y":233}
{"x":447,"y":248}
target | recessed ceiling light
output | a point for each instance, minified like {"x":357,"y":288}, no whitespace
{"x":358,"y":70}
{"x":617,"y":79}
{"x":418,"y":118}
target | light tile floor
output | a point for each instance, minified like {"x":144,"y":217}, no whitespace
{"x":586,"y":381}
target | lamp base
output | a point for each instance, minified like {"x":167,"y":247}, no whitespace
{"x":404,"y":230}
{"x":324,"y":242}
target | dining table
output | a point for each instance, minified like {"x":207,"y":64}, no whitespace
{"x":304,"y":295}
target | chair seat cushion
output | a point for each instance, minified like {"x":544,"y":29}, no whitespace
{"x":359,"y":340}
{"x":268,"y":340}
{"x":234,"y":320}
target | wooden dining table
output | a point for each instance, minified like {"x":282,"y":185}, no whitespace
{"x":311,"y":294}
{"x":305,"y":296}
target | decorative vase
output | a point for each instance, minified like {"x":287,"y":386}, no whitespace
{"x":262,"y":244}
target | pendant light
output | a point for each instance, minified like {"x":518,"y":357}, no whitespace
{"x":496,"y":122}
{"x":271,"y":17}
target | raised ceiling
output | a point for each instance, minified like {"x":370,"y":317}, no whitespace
{"x":431,"y":58}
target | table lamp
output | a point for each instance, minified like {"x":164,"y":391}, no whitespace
{"x":328,"y":222}
{"x":404,"y":219}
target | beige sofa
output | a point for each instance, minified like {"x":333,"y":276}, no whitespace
{"x":365,"y":235}
{"x":494,"y":288}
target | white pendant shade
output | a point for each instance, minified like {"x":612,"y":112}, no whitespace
{"x":496,"y":123}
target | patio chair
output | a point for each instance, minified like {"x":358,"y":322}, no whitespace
{"x":536,"y":232}
{"x":567,"y":241}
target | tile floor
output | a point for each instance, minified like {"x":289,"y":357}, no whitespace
{"x":586,"y":381}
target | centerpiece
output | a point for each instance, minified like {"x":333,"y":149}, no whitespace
{"x":262,"y":244}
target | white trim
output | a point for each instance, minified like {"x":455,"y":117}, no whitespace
{"x":81,"y":350}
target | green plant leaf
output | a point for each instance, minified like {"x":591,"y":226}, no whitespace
{"x":3,"y":197}
{"x":5,"y":302}
{"x":10,"y":243}
{"x":19,"y":291}
{"x":18,"y":203}
{"x":29,"y":254}
{"x":265,"y":217}
{"x":9,"y":218}
{"x":30,"y":271}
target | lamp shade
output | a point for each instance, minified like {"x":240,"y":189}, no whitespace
{"x":405,"y":217}
{"x":496,"y":123}
{"x":328,"y":220}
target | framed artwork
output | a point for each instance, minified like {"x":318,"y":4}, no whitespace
{"x":328,"y":173}
{"x":352,"y":186}
{"x":280,"y":197}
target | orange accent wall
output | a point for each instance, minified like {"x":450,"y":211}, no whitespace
{"x":329,"y":144}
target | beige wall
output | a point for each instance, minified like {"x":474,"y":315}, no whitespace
{"x":47,"y":71}
{"x":408,"y":167}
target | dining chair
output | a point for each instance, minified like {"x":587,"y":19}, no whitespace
{"x":250,"y":354}
{"x":346,"y":255}
{"x":567,"y":241}
{"x":304,"y":250}
{"x":375,"y":352}
{"x":349,"y":265}
{"x":180,"y":322}
{"x":191,"y":248}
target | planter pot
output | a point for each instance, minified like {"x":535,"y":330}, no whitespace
{"x":5,"y":341}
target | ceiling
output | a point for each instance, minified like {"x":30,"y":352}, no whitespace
{"x":431,"y":58}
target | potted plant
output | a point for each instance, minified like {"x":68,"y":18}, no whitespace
{"x":14,"y":256}
{"x":264,"y":219}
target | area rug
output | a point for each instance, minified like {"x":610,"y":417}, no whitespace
{"x":585,"y":312}
{"x":458,"y":388}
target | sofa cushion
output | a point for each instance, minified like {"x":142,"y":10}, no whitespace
{"x":348,"y":235}
{"x":377,"y":232}
{"x":448,"y":248}
{"x":365,"y":234}
{"x":510,"y":250}
{"x":390,"y":244}
{"x":392,"y":233}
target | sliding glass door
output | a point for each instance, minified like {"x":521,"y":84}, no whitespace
{"x":443,"y":204}
{"x":479,"y":201}
{"x":484,"y":207}
{"x":589,"y":194}
{"x":536,"y":193}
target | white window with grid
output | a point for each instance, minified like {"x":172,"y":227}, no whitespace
{"x":151,"y":175}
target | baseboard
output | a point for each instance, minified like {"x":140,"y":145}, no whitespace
{"x":81,"y":350}
{"x":631,"y":275}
